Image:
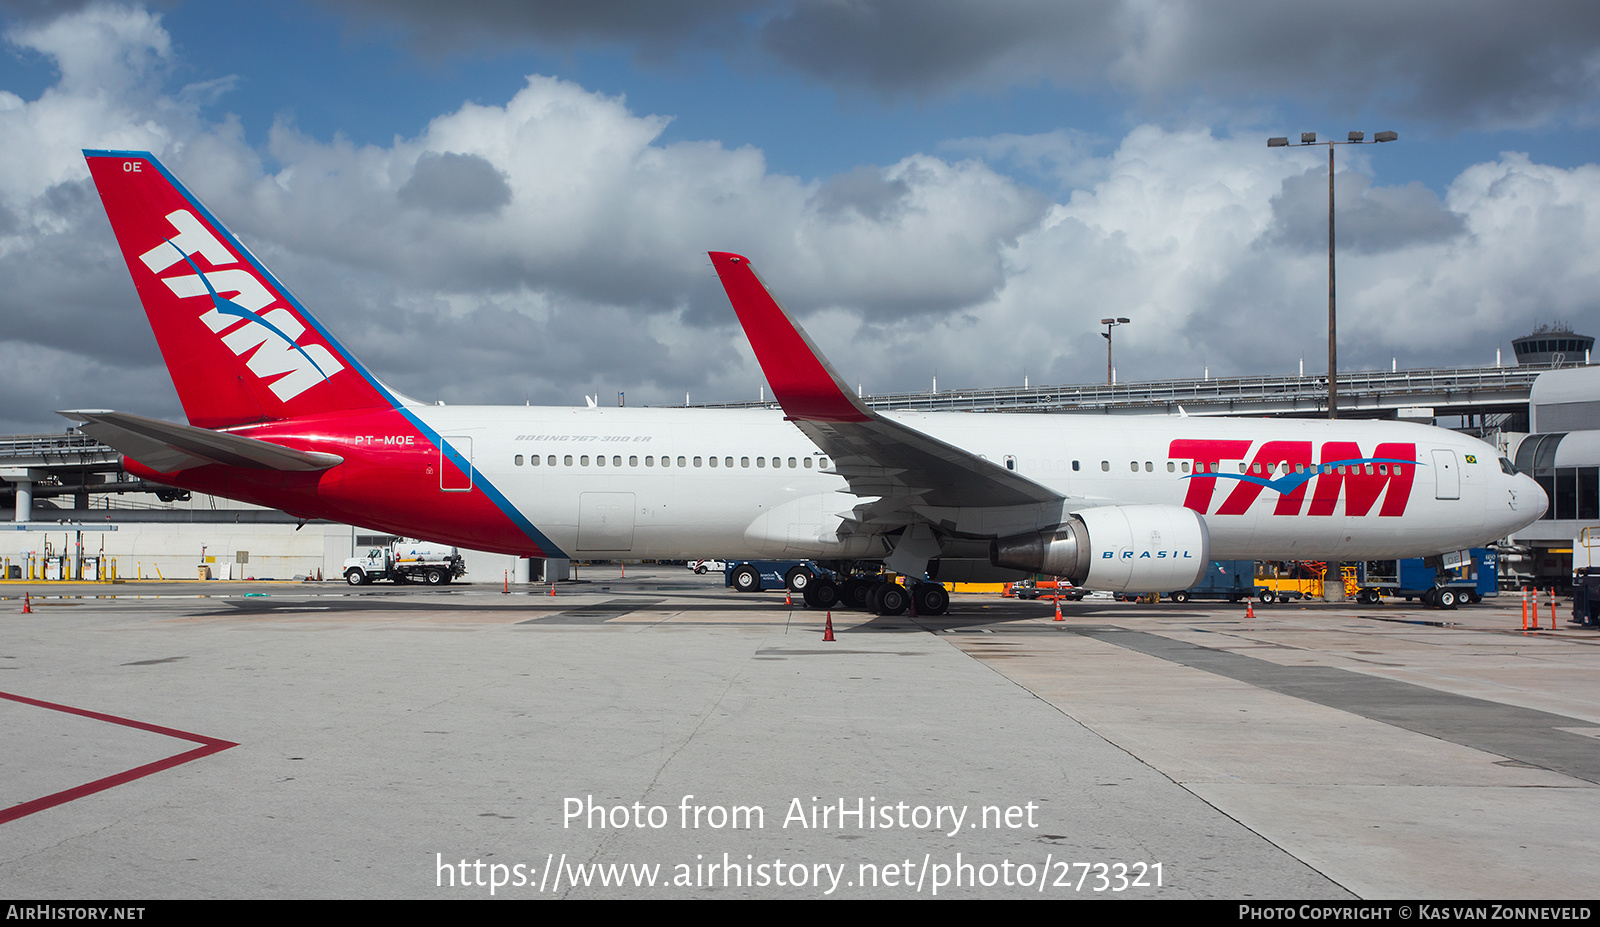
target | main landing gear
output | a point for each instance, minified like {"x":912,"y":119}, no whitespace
{"x":878,"y":596}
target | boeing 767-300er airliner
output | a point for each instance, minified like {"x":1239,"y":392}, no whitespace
{"x":281,"y":415}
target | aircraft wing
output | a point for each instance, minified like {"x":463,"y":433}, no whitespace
{"x":876,"y":455}
{"x":167,"y":447}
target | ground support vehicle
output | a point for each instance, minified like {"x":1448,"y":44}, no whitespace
{"x":1047,"y":589}
{"x":1586,"y":597}
{"x":760,"y":575}
{"x":1412,"y":579}
{"x":1301,"y":579}
{"x":407,"y":561}
{"x":1234,"y":580}
{"x":702,"y":567}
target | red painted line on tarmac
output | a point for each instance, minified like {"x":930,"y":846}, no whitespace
{"x":208,"y":746}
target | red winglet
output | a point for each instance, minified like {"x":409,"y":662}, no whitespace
{"x":807,"y":386}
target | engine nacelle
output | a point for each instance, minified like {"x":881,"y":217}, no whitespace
{"x":1116,"y":548}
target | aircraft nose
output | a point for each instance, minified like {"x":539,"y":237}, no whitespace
{"x":1532,"y":502}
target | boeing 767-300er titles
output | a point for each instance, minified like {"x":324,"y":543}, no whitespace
{"x":281,"y":415}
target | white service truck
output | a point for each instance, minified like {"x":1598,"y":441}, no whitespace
{"x":406,"y":562}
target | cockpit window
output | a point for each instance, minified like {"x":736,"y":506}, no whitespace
{"x":1507,"y":467}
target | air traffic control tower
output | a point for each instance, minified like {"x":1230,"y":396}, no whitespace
{"x":1552,"y":346}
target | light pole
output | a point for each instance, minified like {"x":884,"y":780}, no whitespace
{"x":1354,"y":138}
{"x":1110,"y":324}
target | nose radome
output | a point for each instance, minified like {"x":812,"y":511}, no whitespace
{"x":1538,"y":503}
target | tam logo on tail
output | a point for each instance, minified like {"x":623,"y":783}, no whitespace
{"x":269,"y":339}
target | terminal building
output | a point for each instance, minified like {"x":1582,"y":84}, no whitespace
{"x":69,"y":495}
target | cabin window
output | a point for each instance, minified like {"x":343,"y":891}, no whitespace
{"x":518,"y":460}
{"x":1172,"y":467}
{"x":681,"y":460}
{"x":744,"y":462}
{"x":792,"y":463}
{"x":697,"y":461}
{"x":650,"y":460}
{"x":584,"y":460}
{"x":568,"y":460}
{"x":1149,"y":467}
{"x":823,"y":463}
{"x":1074,"y":466}
{"x":633,"y":461}
{"x":713,"y":461}
{"x":616,"y":460}
{"x":727,"y":461}
{"x":761,"y":462}
{"x":807,"y":461}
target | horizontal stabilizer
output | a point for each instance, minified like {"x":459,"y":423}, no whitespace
{"x":167,"y":447}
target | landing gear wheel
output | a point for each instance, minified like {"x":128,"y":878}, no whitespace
{"x":747,"y":579}
{"x":355,"y":577}
{"x":888,"y":599}
{"x":821,"y":593}
{"x":932,"y":599}
{"x":1181,"y":596}
{"x":853,"y":593}
{"x":797,"y":579}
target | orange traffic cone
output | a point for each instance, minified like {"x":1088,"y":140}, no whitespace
{"x":1524,"y":608}
{"x":1250,"y":609}
{"x":1058,"y":609}
{"x":788,"y":596}
{"x":27,"y":604}
{"x":507,"y":589}
{"x":552,"y":588}
{"x":827,"y":629}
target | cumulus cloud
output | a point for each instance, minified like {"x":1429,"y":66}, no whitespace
{"x":1216,"y":248}
{"x":534,"y":250}
{"x":455,"y":184}
{"x":1367,"y":220}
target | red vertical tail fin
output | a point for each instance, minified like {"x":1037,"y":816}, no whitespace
{"x":239,"y":346}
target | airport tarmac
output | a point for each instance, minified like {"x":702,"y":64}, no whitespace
{"x":659,"y":736}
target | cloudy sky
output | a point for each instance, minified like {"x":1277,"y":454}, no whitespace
{"x":507,"y":202}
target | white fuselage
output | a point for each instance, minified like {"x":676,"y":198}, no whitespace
{"x":674,"y":483}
